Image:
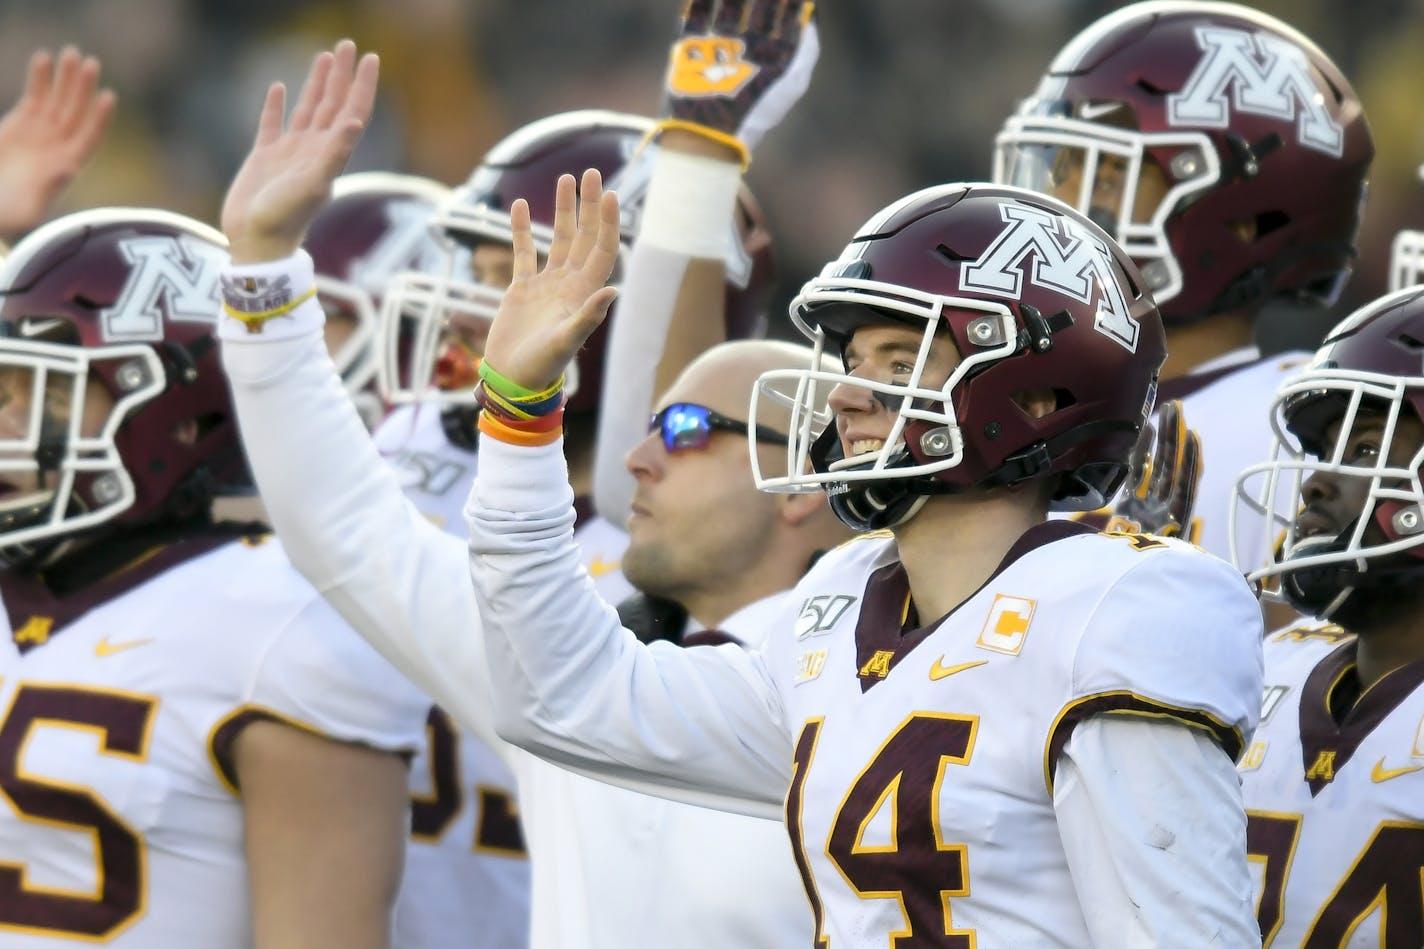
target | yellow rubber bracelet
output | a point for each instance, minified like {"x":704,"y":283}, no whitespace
{"x":255,"y":320}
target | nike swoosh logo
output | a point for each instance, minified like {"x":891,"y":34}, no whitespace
{"x":599,"y":567}
{"x":105,"y":648}
{"x":1381,"y":773}
{"x":31,"y":328}
{"x":1089,"y":112}
{"x":938,"y":671}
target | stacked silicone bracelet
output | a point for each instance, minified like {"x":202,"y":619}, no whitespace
{"x":516,"y":414}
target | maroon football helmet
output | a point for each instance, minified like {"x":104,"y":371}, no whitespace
{"x":1034,"y":297}
{"x":1250,"y":136}
{"x":376,"y":225}
{"x":527,"y":164}
{"x":1366,"y":376}
{"x":116,"y":409}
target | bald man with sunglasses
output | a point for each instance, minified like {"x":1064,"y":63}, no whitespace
{"x":699,"y":534}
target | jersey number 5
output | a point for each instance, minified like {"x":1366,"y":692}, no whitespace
{"x":123,"y":723}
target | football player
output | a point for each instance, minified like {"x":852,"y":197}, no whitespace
{"x":433,"y":320}
{"x":1074,"y":784}
{"x":581,"y":896}
{"x":1332,"y":780}
{"x":194,"y":750}
{"x":1186,"y":130}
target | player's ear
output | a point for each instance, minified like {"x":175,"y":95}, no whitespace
{"x":796,"y":509}
{"x":186,"y":432}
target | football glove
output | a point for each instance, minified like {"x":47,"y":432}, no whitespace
{"x":737,"y":67}
{"x":1162,"y":478}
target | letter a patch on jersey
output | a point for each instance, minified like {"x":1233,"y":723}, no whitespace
{"x":1324,"y":767}
{"x":1067,"y":258}
{"x":878,"y":665}
{"x":1263,"y":75}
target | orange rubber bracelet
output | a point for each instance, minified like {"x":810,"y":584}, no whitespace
{"x":507,"y":433}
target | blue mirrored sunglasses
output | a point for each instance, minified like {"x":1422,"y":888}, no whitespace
{"x":686,"y":425}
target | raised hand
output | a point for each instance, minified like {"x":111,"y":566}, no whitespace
{"x":1162,"y":480}
{"x":738,"y":66}
{"x":49,"y":135}
{"x":546,"y":315}
{"x":287,"y":176}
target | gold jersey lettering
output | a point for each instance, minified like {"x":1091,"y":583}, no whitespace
{"x":878,"y":665}
{"x":1324,"y":767}
{"x":35,"y":631}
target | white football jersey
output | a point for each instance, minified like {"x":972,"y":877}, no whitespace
{"x":119,"y":819}
{"x":466,"y":878}
{"x":1232,"y":414}
{"x":929,"y":753}
{"x":1336,"y":810}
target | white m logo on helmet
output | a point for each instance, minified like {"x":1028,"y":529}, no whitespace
{"x":1266,"y":75}
{"x":179,"y":273}
{"x":1068,"y":258}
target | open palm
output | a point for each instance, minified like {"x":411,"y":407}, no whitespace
{"x":49,"y":135}
{"x":287,"y":175}
{"x":546,"y":315}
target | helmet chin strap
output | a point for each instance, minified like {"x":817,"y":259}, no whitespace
{"x":1326,"y":589}
{"x":1321,"y":590}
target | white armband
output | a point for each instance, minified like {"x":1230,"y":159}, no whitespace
{"x":270,"y":301}
{"x":690,"y":203}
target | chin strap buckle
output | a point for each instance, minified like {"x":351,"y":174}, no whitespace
{"x":1029,"y":463}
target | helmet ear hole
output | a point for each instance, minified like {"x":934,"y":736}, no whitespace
{"x":1037,"y":403}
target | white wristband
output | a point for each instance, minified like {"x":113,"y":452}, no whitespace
{"x":257,"y":289}
{"x":691,"y":204}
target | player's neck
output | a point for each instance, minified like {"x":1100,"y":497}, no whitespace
{"x":1382,"y":650}
{"x":955,"y":543}
{"x":1191,"y":344}
{"x":775,"y":564}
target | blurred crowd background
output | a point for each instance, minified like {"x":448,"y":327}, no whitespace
{"x":908,"y":93}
